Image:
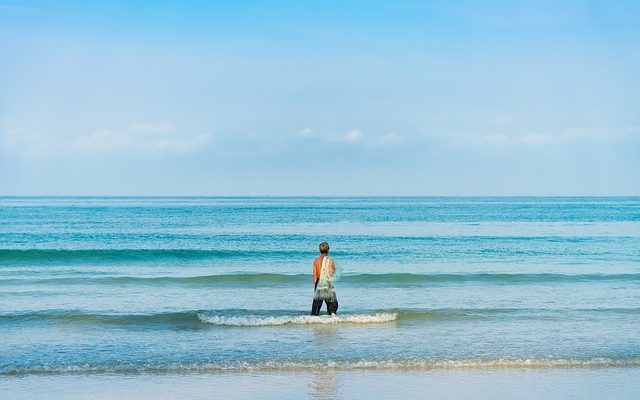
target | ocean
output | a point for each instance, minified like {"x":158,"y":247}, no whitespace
{"x":122,"y":286}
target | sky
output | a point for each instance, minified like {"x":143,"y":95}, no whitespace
{"x":230,"y":98}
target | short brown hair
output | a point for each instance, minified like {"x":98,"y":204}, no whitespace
{"x":324,"y":248}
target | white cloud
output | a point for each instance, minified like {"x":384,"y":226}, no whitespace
{"x":495,"y":139}
{"x":305,"y":132}
{"x":390,"y":138}
{"x":385,"y":140}
{"x":104,"y":140}
{"x":181,"y":144}
{"x":537,"y":138}
{"x":544,"y":138}
{"x":571,"y":135}
{"x":27,"y":144}
{"x":502,"y":119}
{"x":151,"y":128}
{"x":354,"y":135}
{"x":142,"y":137}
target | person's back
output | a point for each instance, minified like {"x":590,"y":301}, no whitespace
{"x":323,"y":273}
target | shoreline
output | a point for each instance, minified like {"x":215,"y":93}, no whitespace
{"x":583,"y":383}
{"x":382,"y":366}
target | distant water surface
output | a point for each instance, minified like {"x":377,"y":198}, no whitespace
{"x":129,"y":285}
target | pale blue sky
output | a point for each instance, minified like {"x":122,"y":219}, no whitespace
{"x":320,"y":98}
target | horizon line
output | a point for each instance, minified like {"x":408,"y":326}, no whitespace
{"x":309,"y":196}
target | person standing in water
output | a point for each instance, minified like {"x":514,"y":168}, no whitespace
{"x":323,"y":274}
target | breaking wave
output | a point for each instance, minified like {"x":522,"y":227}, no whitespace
{"x":200,"y":319}
{"x":254,"y":320}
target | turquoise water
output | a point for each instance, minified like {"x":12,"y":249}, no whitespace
{"x":214,"y":284}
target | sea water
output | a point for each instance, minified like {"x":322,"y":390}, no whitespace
{"x":135,"y":285}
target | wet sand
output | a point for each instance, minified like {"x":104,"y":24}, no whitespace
{"x":618,"y":383}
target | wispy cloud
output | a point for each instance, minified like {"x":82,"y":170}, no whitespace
{"x":151,"y":128}
{"x":539,"y":138}
{"x":535,"y":138}
{"x":26,"y":144}
{"x":494,"y":139}
{"x":148,"y":138}
{"x":354,"y":135}
{"x":351,"y":136}
{"x":305,"y":132}
{"x":104,"y":140}
{"x":182,"y":145}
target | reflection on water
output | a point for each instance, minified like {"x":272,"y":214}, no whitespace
{"x":323,"y":385}
{"x":324,"y":335}
{"x":323,"y":381}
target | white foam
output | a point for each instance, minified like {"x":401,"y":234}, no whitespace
{"x":299,"y":366}
{"x":256,"y":320}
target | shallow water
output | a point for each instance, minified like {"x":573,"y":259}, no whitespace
{"x":130,"y":285}
{"x":321,"y":384}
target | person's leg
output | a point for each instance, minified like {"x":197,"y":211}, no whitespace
{"x":332,"y":306}
{"x":315,"y":307}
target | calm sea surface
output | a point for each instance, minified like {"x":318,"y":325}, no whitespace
{"x":127,"y":285}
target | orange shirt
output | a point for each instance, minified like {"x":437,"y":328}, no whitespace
{"x":317,"y":267}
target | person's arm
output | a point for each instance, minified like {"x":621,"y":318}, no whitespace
{"x":332,"y":268}
{"x":316,"y":275}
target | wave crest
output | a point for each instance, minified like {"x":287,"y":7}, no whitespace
{"x":276,"y":279}
{"x":257,"y":320}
